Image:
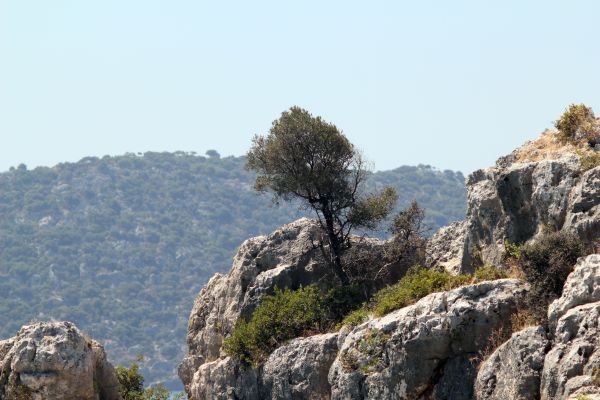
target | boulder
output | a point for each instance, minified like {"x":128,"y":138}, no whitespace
{"x":54,"y":361}
{"x":427,"y":350}
{"x":514,"y":369}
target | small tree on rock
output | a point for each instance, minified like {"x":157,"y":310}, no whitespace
{"x":306,"y":158}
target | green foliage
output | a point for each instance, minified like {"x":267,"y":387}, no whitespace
{"x":546,"y":263}
{"x":307,"y":159}
{"x":110,"y":243}
{"x":576,"y":117}
{"x":512,"y":250}
{"x":371,"y":346}
{"x":416,"y":284}
{"x":131,"y":385}
{"x":285,"y":315}
{"x":588,"y":159}
{"x":356,"y":317}
{"x":489,"y":273}
{"x":371,"y":211}
{"x":131,"y":382}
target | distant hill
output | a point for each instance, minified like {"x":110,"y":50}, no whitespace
{"x":122,"y":245}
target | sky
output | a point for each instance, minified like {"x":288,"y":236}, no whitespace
{"x":453,"y":84}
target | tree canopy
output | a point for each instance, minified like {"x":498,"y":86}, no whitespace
{"x":308,"y":158}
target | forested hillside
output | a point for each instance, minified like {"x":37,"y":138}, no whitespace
{"x":122,"y":245}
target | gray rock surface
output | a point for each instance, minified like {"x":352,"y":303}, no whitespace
{"x":286,"y":258}
{"x":575,"y":328}
{"x":514,"y":369}
{"x":427,"y":350}
{"x":54,"y":361}
{"x":515,"y":200}
{"x":582,"y":287}
{"x":299,"y":369}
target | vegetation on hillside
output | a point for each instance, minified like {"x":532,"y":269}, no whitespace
{"x":290,"y":314}
{"x":121,"y":246}
{"x":546,"y":263}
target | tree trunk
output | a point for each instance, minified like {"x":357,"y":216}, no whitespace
{"x":334,"y":247}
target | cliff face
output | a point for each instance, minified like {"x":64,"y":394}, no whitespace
{"x":433,"y":348}
{"x":448,"y":328}
{"x":54,"y":361}
{"x":540,"y":185}
{"x":559,"y":363}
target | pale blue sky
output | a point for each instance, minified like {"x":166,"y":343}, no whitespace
{"x":454,"y":84}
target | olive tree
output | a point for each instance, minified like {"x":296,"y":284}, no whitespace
{"x":306,"y":158}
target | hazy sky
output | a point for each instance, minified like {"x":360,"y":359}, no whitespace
{"x":454,"y":84}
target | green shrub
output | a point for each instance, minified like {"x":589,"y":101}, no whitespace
{"x":131,"y":382}
{"x":356,"y":317}
{"x":512,"y":250}
{"x":131,"y":385}
{"x":576,"y":117}
{"x":489,"y":273}
{"x":546,"y":263}
{"x":416,"y":284}
{"x":588,"y":159}
{"x":286,"y":315}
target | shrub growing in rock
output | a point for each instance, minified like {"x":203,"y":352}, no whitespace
{"x":288,"y":314}
{"x":588,"y":159}
{"x":373,"y":268}
{"x":416,"y":284}
{"x":489,"y":273}
{"x":577,"y":125}
{"x":546,"y":263}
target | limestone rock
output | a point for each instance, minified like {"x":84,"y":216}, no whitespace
{"x":286,"y":258}
{"x":298,"y":370}
{"x":514,"y":369}
{"x":582,"y":287}
{"x":574,"y":323}
{"x":427,"y":350}
{"x":54,"y":361}
{"x":446,"y":248}
{"x":514,"y":200}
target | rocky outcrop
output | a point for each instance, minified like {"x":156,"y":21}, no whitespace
{"x":433,"y":348}
{"x":515,"y":200}
{"x":513,"y":371}
{"x":427,"y":350}
{"x":286,"y":258}
{"x":55,"y":361}
{"x":297,"y":370}
{"x":575,"y":327}
{"x":289,"y":258}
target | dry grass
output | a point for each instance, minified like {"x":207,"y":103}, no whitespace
{"x":546,"y":147}
{"x":522,"y":319}
{"x":497,"y":337}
